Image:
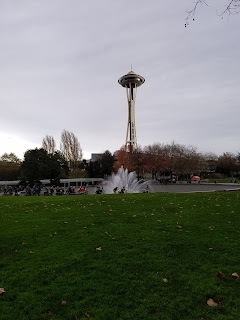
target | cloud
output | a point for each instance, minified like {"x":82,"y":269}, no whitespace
{"x":60,"y":62}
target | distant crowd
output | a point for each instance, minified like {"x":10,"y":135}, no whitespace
{"x":36,"y":190}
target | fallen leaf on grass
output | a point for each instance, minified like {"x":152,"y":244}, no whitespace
{"x":109,"y":213}
{"x":221,"y":275}
{"x":31,"y":252}
{"x":99,"y":249}
{"x":2,"y":291}
{"x":165,"y":280}
{"x":64,"y":302}
{"x":235,"y":275}
{"x":211,"y":227}
{"x":87,"y":315}
{"x":211,"y":303}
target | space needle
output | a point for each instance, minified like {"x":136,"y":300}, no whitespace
{"x":131,"y":82}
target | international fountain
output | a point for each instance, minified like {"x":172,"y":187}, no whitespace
{"x":125,"y":182}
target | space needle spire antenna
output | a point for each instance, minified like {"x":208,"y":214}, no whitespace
{"x":131,"y":82}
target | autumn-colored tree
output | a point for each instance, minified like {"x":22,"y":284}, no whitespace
{"x":49,"y":144}
{"x":131,"y":160}
{"x":123,"y":159}
{"x":184,"y":160}
{"x":136,"y":161}
{"x":155,"y":159}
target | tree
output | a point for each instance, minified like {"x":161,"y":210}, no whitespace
{"x":70,"y":148}
{"x":101,"y":167}
{"x":229,"y":8}
{"x":130,"y":160}
{"x":228,"y":164}
{"x":10,"y":167}
{"x":209,"y":164}
{"x":155,"y":159}
{"x":58,"y":167}
{"x":49,"y":144}
{"x":123,"y":159}
{"x":10,"y":158}
{"x":152,"y":159}
{"x":38,"y":165}
{"x":93,"y":169}
{"x":136,"y":161}
{"x":184,"y":160}
{"x":106,"y":161}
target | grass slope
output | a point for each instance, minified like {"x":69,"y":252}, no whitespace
{"x":158,"y":257}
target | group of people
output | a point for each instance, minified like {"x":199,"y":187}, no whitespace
{"x":99,"y":190}
{"x":123,"y":190}
{"x":59,"y":191}
{"x":115,"y":190}
{"x":52,"y":190}
{"x":82,"y":190}
{"x":9,"y":191}
{"x":36,"y":190}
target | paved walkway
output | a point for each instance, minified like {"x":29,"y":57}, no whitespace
{"x":183,"y":188}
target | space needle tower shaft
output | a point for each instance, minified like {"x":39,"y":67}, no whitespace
{"x":131,"y":82}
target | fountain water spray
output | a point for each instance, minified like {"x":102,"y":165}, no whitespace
{"x":126,"y":181}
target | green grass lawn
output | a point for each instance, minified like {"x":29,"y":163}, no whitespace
{"x":229,"y":180}
{"x":133,"y":256}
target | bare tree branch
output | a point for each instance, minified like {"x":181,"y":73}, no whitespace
{"x":191,"y":13}
{"x":232,"y":7}
{"x":49,"y":144}
{"x":70,"y":148}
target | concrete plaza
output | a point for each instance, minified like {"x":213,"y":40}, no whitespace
{"x":195,"y":187}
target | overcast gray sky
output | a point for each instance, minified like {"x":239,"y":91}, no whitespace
{"x":60,"y":61}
